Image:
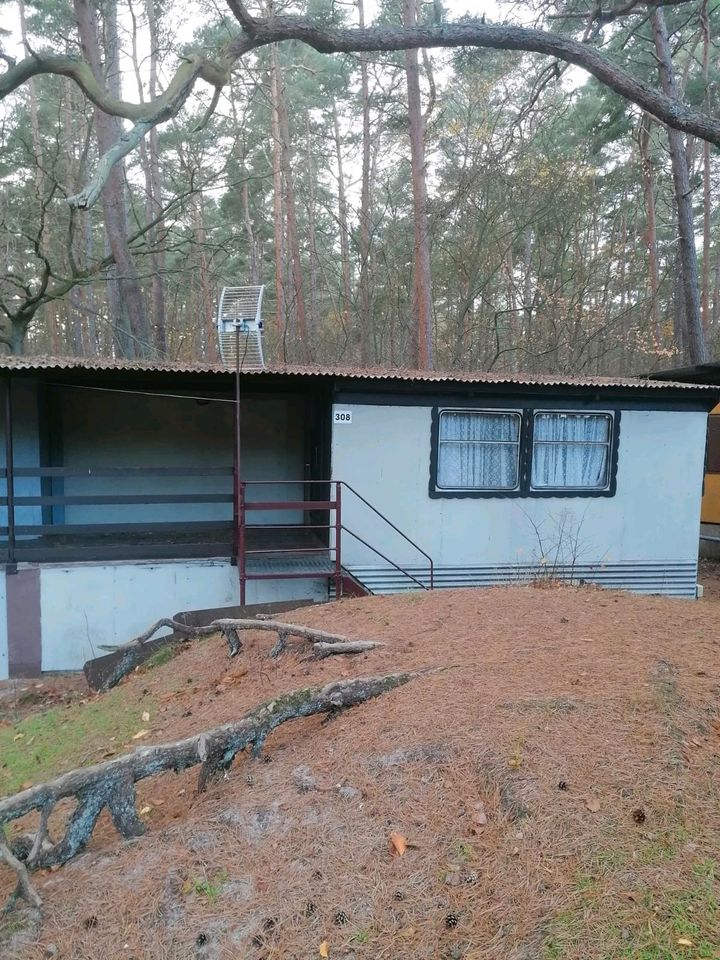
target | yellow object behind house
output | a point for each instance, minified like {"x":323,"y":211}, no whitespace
{"x":711,"y":494}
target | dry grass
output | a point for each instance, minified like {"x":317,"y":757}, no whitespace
{"x":568,"y":711}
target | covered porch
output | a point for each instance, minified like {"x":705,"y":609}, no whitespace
{"x":124,"y":465}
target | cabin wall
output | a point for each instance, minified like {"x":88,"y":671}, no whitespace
{"x":645,"y":537}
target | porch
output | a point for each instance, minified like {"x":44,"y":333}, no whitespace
{"x":94,"y":474}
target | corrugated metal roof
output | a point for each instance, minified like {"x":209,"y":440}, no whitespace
{"x":701,"y":373}
{"x":345,"y":373}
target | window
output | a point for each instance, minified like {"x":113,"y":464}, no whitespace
{"x":478,"y":450}
{"x":571,"y":451}
{"x":491,"y":452}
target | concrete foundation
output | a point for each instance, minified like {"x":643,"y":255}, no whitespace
{"x":55,"y":617}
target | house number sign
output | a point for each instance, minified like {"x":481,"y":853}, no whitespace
{"x":342,"y":416}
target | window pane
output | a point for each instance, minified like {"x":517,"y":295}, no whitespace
{"x":458,"y":425}
{"x":490,"y":466}
{"x":572,"y":426}
{"x":570,"y":465}
{"x":571,"y":450}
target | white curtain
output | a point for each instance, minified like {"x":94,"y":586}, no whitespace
{"x":478,"y":450}
{"x":571,"y":450}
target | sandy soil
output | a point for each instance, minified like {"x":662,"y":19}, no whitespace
{"x":559,"y":789}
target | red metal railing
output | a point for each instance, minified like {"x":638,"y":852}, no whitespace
{"x":332,"y":505}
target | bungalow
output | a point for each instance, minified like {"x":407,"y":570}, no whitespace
{"x":121,"y":503}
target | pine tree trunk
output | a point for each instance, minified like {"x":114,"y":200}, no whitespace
{"x":694,"y":334}
{"x":126,"y":300}
{"x":422,"y":283}
{"x":209,"y":344}
{"x":155,"y":200}
{"x":281,"y":314}
{"x":707,"y":193}
{"x":528,"y":297}
{"x":50,"y":311}
{"x":716,"y":292}
{"x":311,"y":226}
{"x":651,"y":223}
{"x":367,"y":352}
{"x":254,"y":272}
{"x":346,"y":298}
{"x":149,"y":161}
{"x":293,"y":242}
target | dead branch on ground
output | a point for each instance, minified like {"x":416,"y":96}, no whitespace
{"x":112,"y":784}
{"x":131,"y":653}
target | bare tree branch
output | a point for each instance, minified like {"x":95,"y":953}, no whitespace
{"x":258,"y":32}
{"x":607,"y":16}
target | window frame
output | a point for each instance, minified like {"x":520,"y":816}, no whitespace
{"x":524,"y":490}
{"x":492,"y":411}
{"x":608,"y":414}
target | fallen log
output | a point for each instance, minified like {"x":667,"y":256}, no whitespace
{"x":112,"y":784}
{"x":132,"y":654}
{"x":322,"y":649}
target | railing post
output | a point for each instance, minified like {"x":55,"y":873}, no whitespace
{"x":241,"y":558}
{"x":239,"y":497}
{"x":338,"y":540}
{"x":10,"y":473}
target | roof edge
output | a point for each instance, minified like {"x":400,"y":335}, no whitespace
{"x":350,"y":374}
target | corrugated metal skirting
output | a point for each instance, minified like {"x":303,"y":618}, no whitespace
{"x":675,"y":578}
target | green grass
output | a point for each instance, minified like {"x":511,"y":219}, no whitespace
{"x":208,"y":887}
{"x":360,"y":937}
{"x":691,"y":914}
{"x":463,"y":851}
{"x":49,"y":743}
{"x":666,"y":916}
{"x":162,"y":655}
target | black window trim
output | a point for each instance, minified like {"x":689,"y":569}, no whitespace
{"x":524,"y":490}
{"x":515,"y":411}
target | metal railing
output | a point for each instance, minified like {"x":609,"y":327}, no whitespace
{"x":37,"y":528}
{"x":329,"y":505}
{"x":39,"y":523}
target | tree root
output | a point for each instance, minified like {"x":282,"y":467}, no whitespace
{"x":131,"y":653}
{"x":24,"y":889}
{"x":323,"y":649}
{"x":112,"y":784}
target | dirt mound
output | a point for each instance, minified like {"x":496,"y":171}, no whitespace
{"x":557,"y":789}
